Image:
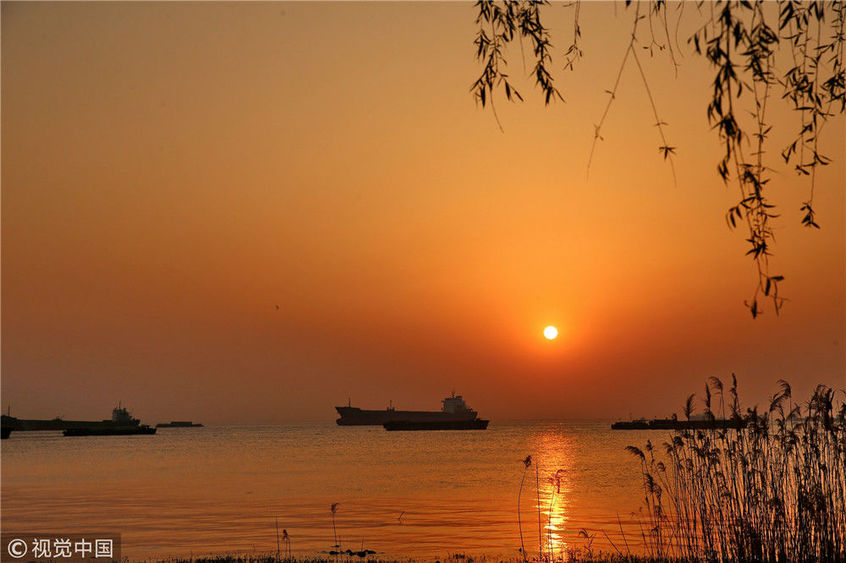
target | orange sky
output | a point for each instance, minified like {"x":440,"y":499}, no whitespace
{"x":172,"y":173}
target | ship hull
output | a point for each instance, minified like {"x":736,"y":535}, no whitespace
{"x":354,"y":416}
{"x":114,"y":431}
{"x":56,"y":424}
{"x":670,"y":424}
{"x":477,"y":424}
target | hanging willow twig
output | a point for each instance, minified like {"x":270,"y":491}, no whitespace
{"x":740,"y":40}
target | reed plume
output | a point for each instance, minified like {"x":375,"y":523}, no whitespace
{"x":770,"y":488}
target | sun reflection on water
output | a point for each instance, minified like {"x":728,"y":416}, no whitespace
{"x":553,"y":472}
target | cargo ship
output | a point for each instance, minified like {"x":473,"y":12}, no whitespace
{"x":453,"y":410}
{"x":120,"y":417}
{"x":121,"y":424}
{"x":693,"y":423}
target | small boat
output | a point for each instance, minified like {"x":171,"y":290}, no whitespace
{"x":110,"y":431}
{"x":475,"y":424}
{"x":179,"y":424}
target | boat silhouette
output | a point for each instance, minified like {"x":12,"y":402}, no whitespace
{"x":454,"y":415}
{"x":121,"y":424}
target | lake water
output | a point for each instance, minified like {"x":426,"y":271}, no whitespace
{"x":220,"y":489}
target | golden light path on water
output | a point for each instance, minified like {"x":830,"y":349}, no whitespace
{"x":553,"y":469}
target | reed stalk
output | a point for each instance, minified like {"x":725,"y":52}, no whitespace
{"x":537,"y":493}
{"x":526,"y":463}
{"x":333,"y":509}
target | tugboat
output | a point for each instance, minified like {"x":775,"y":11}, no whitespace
{"x":454,"y":415}
{"x":121,"y":424}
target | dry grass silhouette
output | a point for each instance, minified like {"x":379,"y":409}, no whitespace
{"x":772,"y":490}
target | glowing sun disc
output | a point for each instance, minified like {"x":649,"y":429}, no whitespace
{"x":550,"y":333}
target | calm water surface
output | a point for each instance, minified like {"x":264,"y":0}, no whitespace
{"x":186,"y":492}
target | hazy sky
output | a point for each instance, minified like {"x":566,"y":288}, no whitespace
{"x":173,"y":173}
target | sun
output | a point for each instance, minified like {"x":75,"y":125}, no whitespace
{"x":550,"y":333}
